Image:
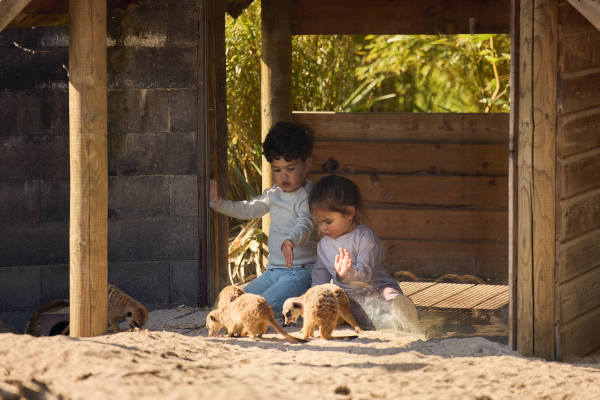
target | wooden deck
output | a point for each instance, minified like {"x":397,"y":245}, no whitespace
{"x":460,"y":309}
{"x":456,"y":296}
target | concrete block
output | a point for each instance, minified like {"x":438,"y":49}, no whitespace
{"x":185,"y":283}
{"x":138,"y":196}
{"x":143,"y":24}
{"x":182,"y":107}
{"x":138,"y":240}
{"x":183,"y":23}
{"x":50,"y":156}
{"x":147,"y":282}
{"x":183,"y":243}
{"x":34,"y":111}
{"x":15,"y":153}
{"x":19,"y":200}
{"x":20,"y":288}
{"x":151,"y":67}
{"x":22,"y":69}
{"x":152,"y":154}
{"x":55,"y":199}
{"x":52,"y":36}
{"x":138,"y":110}
{"x":34,"y":244}
{"x":184,"y":195}
{"x":54,"y":282}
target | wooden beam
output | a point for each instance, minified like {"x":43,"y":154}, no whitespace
{"x":513,"y":174}
{"x":275,"y":74}
{"x":525,"y":183}
{"x":361,"y":17}
{"x":545,"y":64}
{"x":216,"y":115}
{"x":590,"y":9}
{"x":9,"y":9}
{"x":89,"y":167}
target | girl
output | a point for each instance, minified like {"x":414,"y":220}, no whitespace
{"x":352,"y":255}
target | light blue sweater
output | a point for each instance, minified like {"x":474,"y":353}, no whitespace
{"x":290,"y":219}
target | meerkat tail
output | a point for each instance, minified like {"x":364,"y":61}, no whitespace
{"x":280,"y":330}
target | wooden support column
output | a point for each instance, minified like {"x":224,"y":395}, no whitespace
{"x":212,"y":124}
{"x":536,"y":175}
{"x":275,"y":74}
{"x":89,"y":167}
{"x":513,"y":177}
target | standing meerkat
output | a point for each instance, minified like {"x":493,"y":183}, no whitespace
{"x":249,"y":314}
{"x":228,"y":294}
{"x":293,"y":308}
{"x":122,"y":306}
{"x":319,"y":308}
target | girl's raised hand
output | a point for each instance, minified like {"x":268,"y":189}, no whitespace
{"x":343,"y":263}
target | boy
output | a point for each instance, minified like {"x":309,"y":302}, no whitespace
{"x":292,"y":247}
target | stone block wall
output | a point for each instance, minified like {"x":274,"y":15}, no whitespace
{"x":153,"y":202}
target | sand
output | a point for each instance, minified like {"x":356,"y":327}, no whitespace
{"x":174,"y":359}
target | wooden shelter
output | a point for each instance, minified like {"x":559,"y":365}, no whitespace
{"x":511,"y":198}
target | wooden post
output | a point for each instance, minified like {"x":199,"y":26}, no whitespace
{"x":538,"y":62}
{"x":513,"y":170}
{"x":89,"y":167}
{"x":275,"y":74}
{"x":545,"y":64}
{"x":214,"y":78}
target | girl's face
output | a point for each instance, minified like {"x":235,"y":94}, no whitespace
{"x":334,"y":224}
{"x":289,"y":175}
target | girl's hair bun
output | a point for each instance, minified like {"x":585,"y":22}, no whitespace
{"x":330,"y":166}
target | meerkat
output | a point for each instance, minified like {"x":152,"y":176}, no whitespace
{"x":122,"y":306}
{"x":228,"y":294}
{"x":320,"y":309}
{"x":248,"y":315}
{"x":293,"y":307}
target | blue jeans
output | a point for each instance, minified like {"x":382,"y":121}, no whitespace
{"x":277,"y":284}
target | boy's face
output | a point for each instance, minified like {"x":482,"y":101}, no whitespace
{"x":289,"y":175}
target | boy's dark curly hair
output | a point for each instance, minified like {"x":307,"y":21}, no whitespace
{"x":289,"y":140}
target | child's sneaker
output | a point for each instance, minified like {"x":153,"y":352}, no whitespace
{"x":405,"y":314}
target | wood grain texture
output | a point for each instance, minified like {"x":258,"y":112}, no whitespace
{"x":579,"y":338}
{"x":579,"y":255}
{"x":579,"y":174}
{"x":9,"y":9}
{"x":216,"y":114}
{"x":580,"y":91}
{"x":407,"y":127}
{"x":579,"y":296}
{"x":431,"y":259}
{"x":545,"y":52}
{"x":578,"y":215}
{"x":413,"y":158}
{"x":430,"y":191}
{"x":314,"y":17}
{"x":578,"y":132}
{"x":525,"y":340}
{"x":88,"y":168}
{"x":437,"y":224}
{"x":590,"y":9}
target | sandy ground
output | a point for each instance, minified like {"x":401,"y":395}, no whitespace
{"x":174,"y":359}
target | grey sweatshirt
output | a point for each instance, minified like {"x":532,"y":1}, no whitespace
{"x":366,"y":252}
{"x":290,"y":219}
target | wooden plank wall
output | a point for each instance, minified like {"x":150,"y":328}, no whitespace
{"x":434,"y":186}
{"x":578,"y":184}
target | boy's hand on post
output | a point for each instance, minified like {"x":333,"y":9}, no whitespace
{"x":343,"y":263}
{"x":214,"y":191}
{"x":288,"y":251}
